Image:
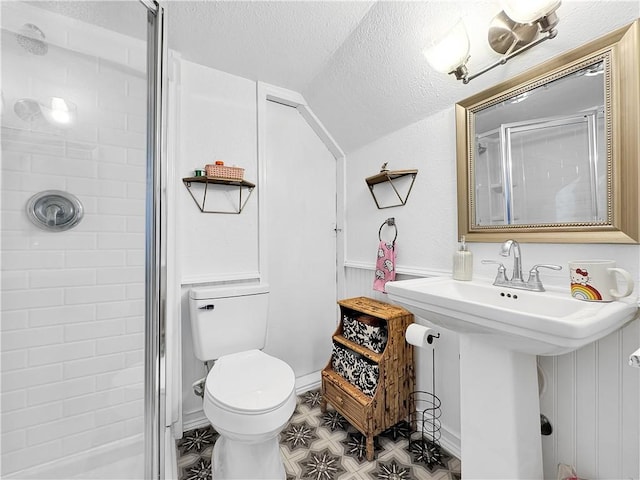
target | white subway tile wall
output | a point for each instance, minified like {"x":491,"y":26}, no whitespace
{"x":73,"y":301}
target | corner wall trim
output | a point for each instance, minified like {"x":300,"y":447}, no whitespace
{"x":296,"y":100}
{"x":319,"y":129}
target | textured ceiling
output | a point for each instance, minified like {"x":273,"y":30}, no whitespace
{"x":282,"y":43}
{"x":358,"y":63}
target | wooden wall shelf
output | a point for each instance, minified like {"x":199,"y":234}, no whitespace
{"x":389,"y":176}
{"x":241,"y":185}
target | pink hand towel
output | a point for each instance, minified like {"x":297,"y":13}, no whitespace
{"x":385,"y":265}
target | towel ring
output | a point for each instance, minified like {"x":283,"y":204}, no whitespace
{"x":391,"y":222}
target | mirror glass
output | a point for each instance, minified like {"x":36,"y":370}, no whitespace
{"x":541,"y":156}
{"x":551,"y":154}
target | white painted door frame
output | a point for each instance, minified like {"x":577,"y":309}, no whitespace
{"x":269,"y":93}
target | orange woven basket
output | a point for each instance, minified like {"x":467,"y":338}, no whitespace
{"x":222,"y":171}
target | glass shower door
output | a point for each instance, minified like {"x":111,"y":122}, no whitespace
{"x":563,"y":158}
{"x":74,"y":239}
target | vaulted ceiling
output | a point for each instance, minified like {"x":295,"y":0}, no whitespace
{"x":358,"y":63}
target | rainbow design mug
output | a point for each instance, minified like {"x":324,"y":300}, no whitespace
{"x":585,"y":292}
{"x":595,"y":280}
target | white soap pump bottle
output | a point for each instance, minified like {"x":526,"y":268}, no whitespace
{"x":462,"y":262}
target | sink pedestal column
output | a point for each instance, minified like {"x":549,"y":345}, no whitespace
{"x":500,"y":412}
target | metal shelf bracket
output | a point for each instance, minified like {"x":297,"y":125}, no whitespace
{"x":241,"y":185}
{"x":389,"y":176}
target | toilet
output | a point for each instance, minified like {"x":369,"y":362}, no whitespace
{"x":249,"y":396}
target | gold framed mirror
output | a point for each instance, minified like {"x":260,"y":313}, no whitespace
{"x":553,"y":154}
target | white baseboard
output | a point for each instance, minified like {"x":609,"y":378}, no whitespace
{"x":451,"y":443}
{"x":308,"y":382}
{"x":193,"y":420}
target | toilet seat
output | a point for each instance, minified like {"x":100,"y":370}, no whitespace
{"x":249,"y":383}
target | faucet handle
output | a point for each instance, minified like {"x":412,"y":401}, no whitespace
{"x":534,"y":275}
{"x":501,"y":277}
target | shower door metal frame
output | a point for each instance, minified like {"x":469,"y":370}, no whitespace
{"x":492,"y":187}
{"x":588,"y":119}
{"x":155,"y":248}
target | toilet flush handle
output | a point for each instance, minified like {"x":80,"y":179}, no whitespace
{"x":207,"y":307}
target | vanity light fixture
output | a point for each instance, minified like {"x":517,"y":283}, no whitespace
{"x":512,"y":32}
{"x":58,"y":111}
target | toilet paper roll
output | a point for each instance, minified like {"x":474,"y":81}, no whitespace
{"x":419,"y":335}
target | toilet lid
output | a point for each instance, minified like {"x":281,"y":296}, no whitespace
{"x":250,"y":381}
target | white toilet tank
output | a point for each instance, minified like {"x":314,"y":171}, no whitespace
{"x":228,"y":319}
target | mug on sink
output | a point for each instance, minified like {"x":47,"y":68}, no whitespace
{"x":596,"y":280}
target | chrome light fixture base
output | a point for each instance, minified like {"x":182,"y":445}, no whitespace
{"x":461,"y":72}
{"x":510,"y":53}
{"x":506,"y":36}
{"x":548,"y":22}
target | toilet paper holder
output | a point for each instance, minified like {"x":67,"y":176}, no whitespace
{"x":424,"y":422}
{"x":419,"y":335}
{"x":430,"y":337}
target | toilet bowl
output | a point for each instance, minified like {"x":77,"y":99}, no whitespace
{"x":249,"y":395}
{"x":249,"y":398}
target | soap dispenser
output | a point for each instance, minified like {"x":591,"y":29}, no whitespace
{"x":462,"y":262}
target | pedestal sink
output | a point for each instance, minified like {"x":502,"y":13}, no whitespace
{"x":501,"y":331}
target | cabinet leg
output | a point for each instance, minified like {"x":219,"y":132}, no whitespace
{"x":370,"y":448}
{"x":323,"y":405}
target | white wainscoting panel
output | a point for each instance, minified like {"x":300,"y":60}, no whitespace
{"x":592,"y":400}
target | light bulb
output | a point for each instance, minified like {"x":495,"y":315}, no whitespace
{"x":529,"y":11}
{"x":60,"y":112}
{"x":451,"y":52}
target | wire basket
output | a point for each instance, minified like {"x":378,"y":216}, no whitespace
{"x":222,"y":171}
{"x":424,"y":421}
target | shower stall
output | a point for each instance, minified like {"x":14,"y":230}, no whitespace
{"x":82,"y":366}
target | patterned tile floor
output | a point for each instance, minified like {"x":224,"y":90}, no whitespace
{"x":319,"y":446}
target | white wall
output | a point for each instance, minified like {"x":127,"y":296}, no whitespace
{"x":73,"y":302}
{"x":592,"y":396}
{"x":218,"y":119}
{"x":217,"y":122}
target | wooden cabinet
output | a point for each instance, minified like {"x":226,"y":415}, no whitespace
{"x":385,"y":352}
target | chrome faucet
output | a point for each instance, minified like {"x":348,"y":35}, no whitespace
{"x":516,"y":281}
{"x":507,"y":247}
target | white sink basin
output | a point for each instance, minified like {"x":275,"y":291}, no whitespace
{"x":537,"y":323}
